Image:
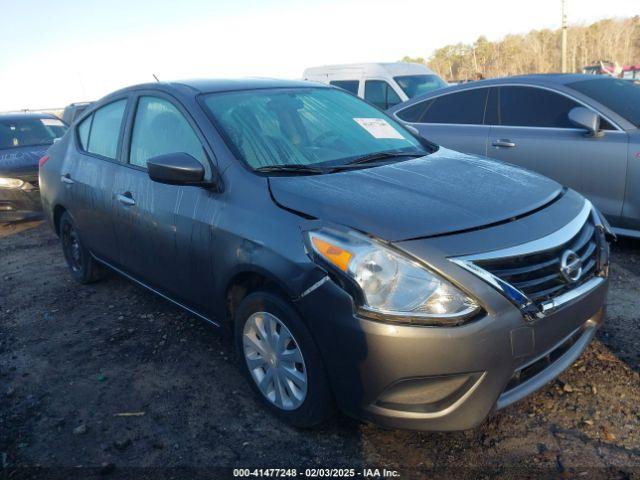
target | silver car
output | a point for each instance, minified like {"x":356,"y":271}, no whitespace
{"x":580,"y":130}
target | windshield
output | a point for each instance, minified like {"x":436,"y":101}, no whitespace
{"x":29,"y":131}
{"x":621,"y":96}
{"x":414,"y":85}
{"x":306,"y":126}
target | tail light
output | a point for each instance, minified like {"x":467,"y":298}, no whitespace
{"x":42,"y":161}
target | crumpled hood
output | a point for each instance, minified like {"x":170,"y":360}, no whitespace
{"x":21,"y":161}
{"x":440,"y":193}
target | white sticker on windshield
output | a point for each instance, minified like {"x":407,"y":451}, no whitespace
{"x":379,"y":128}
{"x":52,"y":122}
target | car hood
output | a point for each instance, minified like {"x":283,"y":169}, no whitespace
{"x":441,"y":193}
{"x":21,"y":161}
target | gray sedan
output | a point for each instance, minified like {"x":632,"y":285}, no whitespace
{"x":578,"y":129}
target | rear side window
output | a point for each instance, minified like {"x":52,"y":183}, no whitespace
{"x":381,"y":94}
{"x":159,"y":129}
{"x":348,"y":85}
{"x":99,"y":133}
{"x":415,"y":112}
{"x":83,"y":132}
{"x":534,"y":107}
{"x":463,"y":108}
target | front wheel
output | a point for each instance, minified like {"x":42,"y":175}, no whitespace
{"x":82,"y":265}
{"x":281,"y":360}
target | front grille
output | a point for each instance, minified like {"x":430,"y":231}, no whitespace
{"x":538,"y":274}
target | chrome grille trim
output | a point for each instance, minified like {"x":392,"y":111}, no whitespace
{"x":541,"y":302}
{"x":571,"y":295}
{"x":552,"y":240}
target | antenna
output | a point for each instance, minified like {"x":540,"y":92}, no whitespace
{"x":564,"y":37}
{"x":154,"y":76}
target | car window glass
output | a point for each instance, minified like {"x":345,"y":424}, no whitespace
{"x":28,"y":131}
{"x":415,"y":112}
{"x":414,"y":85}
{"x":160,"y":128}
{"x":381,"y":94}
{"x":605,"y":124}
{"x":83,"y":132}
{"x":306,"y":126}
{"x":465,"y":107}
{"x":621,"y":96}
{"x":534,"y":107}
{"x":491,"y":111}
{"x":348,"y":85}
{"x":392,"y":97}
{"x":105,"y":129}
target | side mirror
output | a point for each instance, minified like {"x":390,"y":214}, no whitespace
{"x":412,"y":129}
{"x":589,"y":120}
{"x":176,"y":169}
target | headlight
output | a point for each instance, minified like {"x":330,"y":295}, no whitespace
{"x":392,"y":284}
{"x":11,"y":182}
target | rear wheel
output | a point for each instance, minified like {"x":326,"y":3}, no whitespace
{"x":281,"y":360}
{"x":82,"y":265}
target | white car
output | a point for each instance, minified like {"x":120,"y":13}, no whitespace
{"x":383,"y":84}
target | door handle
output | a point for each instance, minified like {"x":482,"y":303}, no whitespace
{"x":504,"y":143}
{"x":66,"y":178}
{"x":126,"y":199}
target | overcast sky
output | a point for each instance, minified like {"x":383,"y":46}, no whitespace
{"x":57,"y":52}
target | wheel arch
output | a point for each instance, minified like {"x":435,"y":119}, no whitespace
{"x":246,"y":280}
{"x":58,"y":211}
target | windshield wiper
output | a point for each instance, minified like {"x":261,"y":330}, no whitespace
{"x":300,"y":169}
{"x":294,"y":168}
{"x":374,"y":157}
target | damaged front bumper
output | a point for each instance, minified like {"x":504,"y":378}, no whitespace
{"x":441,"y":378}
{"x":432,"y":378}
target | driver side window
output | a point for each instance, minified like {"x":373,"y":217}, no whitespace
{"x":160,"y":128}
{"x":381,"y":94}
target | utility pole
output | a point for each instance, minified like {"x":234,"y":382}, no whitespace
{"x":564,"y":38}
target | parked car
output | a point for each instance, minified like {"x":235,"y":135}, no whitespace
{"x":24,"y":138}
{"x":73,"y":111}
{"x":383,"y":84}
{"x":581,"y":130}
{"x":355,"y":264}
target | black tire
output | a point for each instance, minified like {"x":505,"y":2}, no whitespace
{"x":82,"y":265}
{"x":318,"y":405}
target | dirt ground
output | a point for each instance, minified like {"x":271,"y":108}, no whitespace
{"x":102,"y":380}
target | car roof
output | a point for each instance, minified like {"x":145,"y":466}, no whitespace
{"x":543,"y":79}
{"x":22,"y":115}
{"x":213,"y":85}
{"x":557,"y":78}
{"x":388,"y":68}
{"x":531,"y":79}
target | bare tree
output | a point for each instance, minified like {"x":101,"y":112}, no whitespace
{"x":616,"y":40}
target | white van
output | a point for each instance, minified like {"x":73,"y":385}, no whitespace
{"x":383,"y":84}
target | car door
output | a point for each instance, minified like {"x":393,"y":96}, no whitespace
{"x":631,"y":209}
{"x":531,"y":128}
{"x":88,"y":174}
{"x":164,"y":231}
{"x":454,"y":120}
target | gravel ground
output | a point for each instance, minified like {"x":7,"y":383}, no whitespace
{"x":110,"y":377}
